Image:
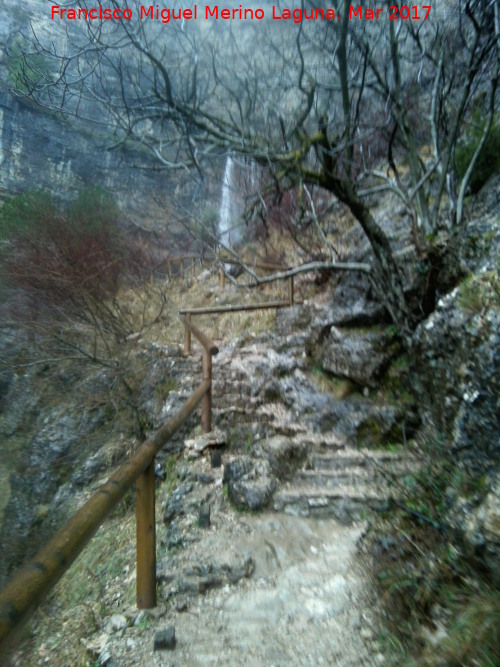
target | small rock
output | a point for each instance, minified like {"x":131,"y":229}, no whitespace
{"x":165,"y":639}
{"x":366,"y":634}
{"x":175,"y":536}
{"x":104,"y":659}
{"x":175,"y":505}
{"x":214,"y":438}
{"x":206,"y":478}
{"x":140,"y":617}
{"x":250,"y":482}
{"x":116,"y":623}
{"x":181,"y":606}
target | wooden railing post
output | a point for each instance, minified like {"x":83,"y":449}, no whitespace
{"x":181,"y":267}
{"x":206,"y":401}
{"x":222,"y":279}
{"x":291,"y":291}
{"x":187,"y":336}
{"x":146,"y":538}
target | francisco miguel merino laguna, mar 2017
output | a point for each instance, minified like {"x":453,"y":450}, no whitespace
{"x":239,"y":13}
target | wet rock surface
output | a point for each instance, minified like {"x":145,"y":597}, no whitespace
{"x":458,"y":351}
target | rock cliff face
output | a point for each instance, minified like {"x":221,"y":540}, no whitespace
{"x":38,"y":150}
{"x":457,"y":378}
{"x":41,"y":150}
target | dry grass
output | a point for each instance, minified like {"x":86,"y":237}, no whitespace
{"x":101,"y":582}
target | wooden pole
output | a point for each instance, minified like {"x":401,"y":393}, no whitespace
{"x":181,"y":267}
{"x":222,"y":279}
{"x":187,"y":337}
{"x":169,"y":268}
{"x":206,"y":401}
{"x":146,"y":538}
{"x":291,"y":291}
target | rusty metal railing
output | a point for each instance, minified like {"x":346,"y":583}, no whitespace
{"x":29,"y":588}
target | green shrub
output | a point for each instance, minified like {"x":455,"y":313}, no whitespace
{"x":488,"y":162}
{"x":22,"y":214}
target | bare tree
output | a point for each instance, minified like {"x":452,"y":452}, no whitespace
{"x":352,"y":106}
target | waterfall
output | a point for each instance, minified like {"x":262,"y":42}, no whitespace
{"x":227,"y":204}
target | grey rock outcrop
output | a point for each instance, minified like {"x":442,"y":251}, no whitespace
{"x":361,"y":356}
{"x":457,"y":356}
{"x":457,"y":353}
{"x":250,"y":482}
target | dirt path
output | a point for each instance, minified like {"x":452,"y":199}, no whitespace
{"x":306,"y":602}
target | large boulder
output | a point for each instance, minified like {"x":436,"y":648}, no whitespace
{"x":283,"y":453}
{"x":457,"y":355}
{"x":357,"y":354}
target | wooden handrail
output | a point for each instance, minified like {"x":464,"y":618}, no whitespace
{"x":209,"y":350}
{"x":234,"y":308}
{"x":266,"y":266}
{"x":208,"y":344}
{"x":29,"y":588}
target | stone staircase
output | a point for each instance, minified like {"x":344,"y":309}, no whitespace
{"x":262,"y":389}
{"x":345,"y":483}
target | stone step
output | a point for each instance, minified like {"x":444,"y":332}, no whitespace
{"x":227,"y":392}
{"x":360,"y":459}
{"x":346,"y":503}
{"x":242,"y":413}
{"x":333,"y":478}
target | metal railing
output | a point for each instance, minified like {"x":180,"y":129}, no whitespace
{"x":29,"y":588}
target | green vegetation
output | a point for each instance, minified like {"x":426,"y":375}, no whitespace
{"x":327,"y":382}
{"x":163,"y":389}
{"x":62,"y":254}
{"x":424,"y":577}
{"x":479,"y":291}
{"x":170,"y":475}
{"x":249,"y":442}
{"x":488,"y":162}
{"x":26,"y":69}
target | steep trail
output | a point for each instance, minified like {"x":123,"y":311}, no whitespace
{"x":280,"y":587}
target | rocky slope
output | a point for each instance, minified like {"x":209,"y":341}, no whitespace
{"x":296,"y":444}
